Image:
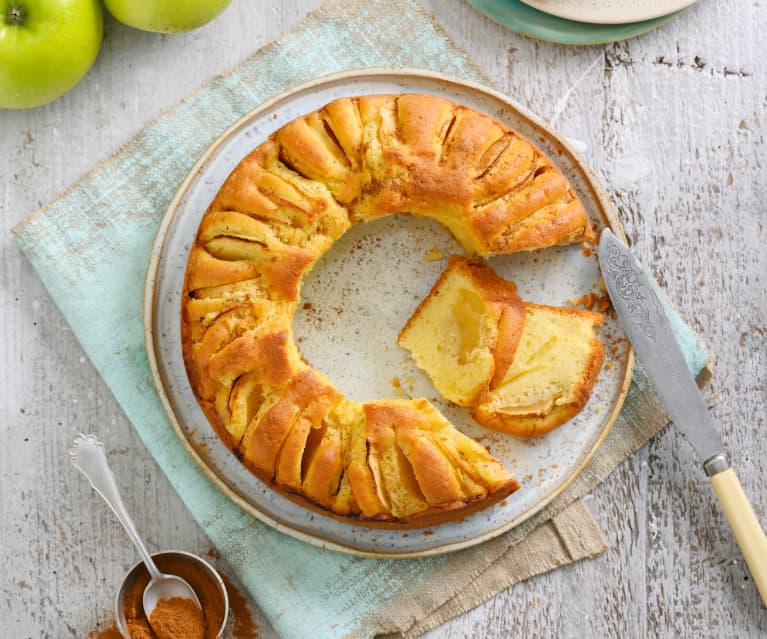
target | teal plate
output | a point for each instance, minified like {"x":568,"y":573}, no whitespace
{"x":519,"y":17}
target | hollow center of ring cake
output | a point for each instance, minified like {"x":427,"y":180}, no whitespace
{"x":358,"y":297}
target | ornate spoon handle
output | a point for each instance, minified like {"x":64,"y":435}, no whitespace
{"x":89,"y":458}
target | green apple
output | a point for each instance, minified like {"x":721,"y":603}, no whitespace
{"x":165,"y":16}
{"x":46,"y":47}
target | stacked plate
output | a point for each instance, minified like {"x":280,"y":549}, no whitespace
{"x":581,"y":21}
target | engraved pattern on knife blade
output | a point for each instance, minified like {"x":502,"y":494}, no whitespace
{"x":627,"y":285}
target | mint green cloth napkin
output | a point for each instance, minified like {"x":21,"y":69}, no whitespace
{"x":91,"y":247}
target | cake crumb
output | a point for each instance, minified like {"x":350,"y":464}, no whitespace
{"x":397,"y":386}
{"x":434,"y":255}
{"x":591,"y":301}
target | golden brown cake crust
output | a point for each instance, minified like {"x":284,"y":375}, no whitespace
{"x":280,"y":209}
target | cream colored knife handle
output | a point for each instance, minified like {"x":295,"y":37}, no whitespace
{"x":745,"y":525}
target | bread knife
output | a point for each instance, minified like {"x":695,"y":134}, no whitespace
{"x":650,"y":332}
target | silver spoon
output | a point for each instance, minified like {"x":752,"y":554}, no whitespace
{"x":89,"y":458}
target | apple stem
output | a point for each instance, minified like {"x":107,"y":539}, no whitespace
{"x":15,"y":15}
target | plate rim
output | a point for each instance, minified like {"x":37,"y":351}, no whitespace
{"x":150,"y":301}
{"x":589,"y":33}
{"x":568,"y":13}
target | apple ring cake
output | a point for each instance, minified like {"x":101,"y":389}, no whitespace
{"x":283,"y":206}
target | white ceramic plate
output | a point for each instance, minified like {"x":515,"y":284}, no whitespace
{"x":357,"y":298}
{"x":609,"y":11}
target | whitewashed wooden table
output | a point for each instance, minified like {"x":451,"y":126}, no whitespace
{"x":675,"y":122}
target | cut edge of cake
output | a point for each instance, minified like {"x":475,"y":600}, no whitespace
{"x":477,"y":318}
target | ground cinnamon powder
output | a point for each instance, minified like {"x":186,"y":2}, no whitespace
{"x":177,"y":618}
{"x":205,"y":587}
{"x":107,"y":633}
{"x":241,"y":624}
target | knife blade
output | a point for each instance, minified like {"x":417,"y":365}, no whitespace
{"x":651,"y":334}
